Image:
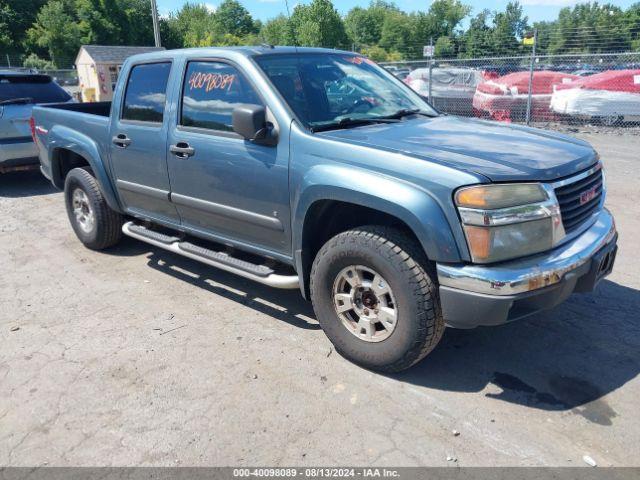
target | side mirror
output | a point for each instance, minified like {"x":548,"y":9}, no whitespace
{"x":250,"y":121}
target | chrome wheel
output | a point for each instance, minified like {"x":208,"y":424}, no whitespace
{"x":365,"y":303}
{"x":82,"y":210}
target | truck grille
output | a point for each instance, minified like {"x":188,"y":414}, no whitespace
{"x":580,"y":199}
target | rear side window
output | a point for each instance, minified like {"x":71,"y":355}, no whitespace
{"x":146,"y":92}
{"x":37,"y":88}
{"x":210,"y":93}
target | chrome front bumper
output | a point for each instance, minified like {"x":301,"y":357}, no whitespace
{"x":534,"y":272}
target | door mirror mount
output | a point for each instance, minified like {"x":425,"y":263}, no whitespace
{"x":250,"y":122}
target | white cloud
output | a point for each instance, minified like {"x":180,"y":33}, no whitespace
{"x":210,"y":6}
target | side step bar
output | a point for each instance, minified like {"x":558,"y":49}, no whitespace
{"x":223,"y":261}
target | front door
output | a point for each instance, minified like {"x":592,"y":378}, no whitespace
{"x":138,"y":148}
{"x":223,"y":185}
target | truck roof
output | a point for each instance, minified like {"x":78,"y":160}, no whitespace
{"x":249,"y":51}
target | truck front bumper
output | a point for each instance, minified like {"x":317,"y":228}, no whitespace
{"x":474,"y":295}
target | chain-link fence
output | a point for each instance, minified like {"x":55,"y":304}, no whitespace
{"x":583,"y":89}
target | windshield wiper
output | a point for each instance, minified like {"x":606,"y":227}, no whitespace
{"x":405,"y":112}
{"x":14,"y":101}
{"x":351,"y":122}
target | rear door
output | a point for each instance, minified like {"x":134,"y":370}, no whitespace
{"x":138,"y":143}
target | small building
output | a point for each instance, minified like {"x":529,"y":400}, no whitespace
{"x":98,"y":67}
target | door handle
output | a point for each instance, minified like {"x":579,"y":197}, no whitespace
{"x":182,"y":150}
{"x":121,"y":140}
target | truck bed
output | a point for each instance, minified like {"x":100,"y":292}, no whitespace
{"x":101,"y":109}
{"x":68,"y":120}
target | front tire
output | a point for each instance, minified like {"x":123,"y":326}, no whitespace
{"x":96,"y":225}
{"x":375,"y":299}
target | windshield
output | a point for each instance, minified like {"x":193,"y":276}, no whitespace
{"x":327,"y":89}
{"x":33,"y":88}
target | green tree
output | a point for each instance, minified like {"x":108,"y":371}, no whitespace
{"x":477,"y":41}
{"x":444,"y":47}
{"x":509,"y":29}
{"x":16,"y":17}
{"x":193,"y":24}
{"x":57,"y":31}
{"x":318,"y":24}
{"x":34,"y":61}
{"x":364,"y":25}
{"x":277,"y":31}
{"x":232,"y":18}
{"x":396,"y":33}
{"x":445,"y":16}
{"x":591,"y":27}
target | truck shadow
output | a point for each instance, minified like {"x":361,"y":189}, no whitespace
{"x":564,"y":359}
{"x":285,"y":305}
{"x":28,"y":183}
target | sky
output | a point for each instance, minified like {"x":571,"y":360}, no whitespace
{"x":264,"y":9}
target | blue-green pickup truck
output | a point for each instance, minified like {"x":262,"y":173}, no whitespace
{"x":317,"y":169}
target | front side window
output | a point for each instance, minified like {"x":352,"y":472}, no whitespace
{"x":210,"y":93}
{"x":146,"y":92}
{"x":323,"y":89}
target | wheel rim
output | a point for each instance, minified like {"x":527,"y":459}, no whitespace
{"x":365,"y":303}
{"x":82,"y":210}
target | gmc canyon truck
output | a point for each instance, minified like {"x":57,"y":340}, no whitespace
{"x":317,"y":169}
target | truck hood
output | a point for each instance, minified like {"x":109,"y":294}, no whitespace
{"x":497,"y":151}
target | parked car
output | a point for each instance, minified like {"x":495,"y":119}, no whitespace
{"x":610,"y":97}
{"x":452,"y":88}
{"x":19,"y":92}
{"x":394,"y":220}
{"x":505,"y":98}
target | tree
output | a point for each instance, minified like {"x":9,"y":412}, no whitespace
{"x":138,"y":29}
{"x":57,"y":31}
{"x":364,"y":25}
{"x":508,"y":29}
{"x":477,"y":41}
{"x":16,"y":17}
{"x":193,"y":24}
{"x":445,"y":16}
{"x":591,"y":27}
{"x":232,"y":18}
{"x":277,"y":31}
{"x":318,"y":24}
{"x":379,"y":54}
{"x":396,"y":33}
{"x":444,"y":47}
{"x":34,"y":61}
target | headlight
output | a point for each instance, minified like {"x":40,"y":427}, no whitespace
{"x":504,"y":221}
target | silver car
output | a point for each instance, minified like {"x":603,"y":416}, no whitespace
{"x":19,"y":91}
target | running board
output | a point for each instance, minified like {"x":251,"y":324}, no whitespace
{"x":223,"y":261}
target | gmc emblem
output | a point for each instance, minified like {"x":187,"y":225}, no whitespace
{"x":588,"y":195}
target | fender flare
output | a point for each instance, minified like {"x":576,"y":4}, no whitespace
{"x":64,"y":138}
{"x":405,"y":201}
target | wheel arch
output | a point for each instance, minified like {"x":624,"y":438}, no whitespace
{"x":70,"y":149}
{"x":326,"y":210}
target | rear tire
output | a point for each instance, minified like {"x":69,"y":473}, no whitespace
{"x":96,"y":225}
{"x":392,"y":290}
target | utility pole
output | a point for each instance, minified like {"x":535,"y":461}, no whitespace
{"x":430,"y":67}
{"x":533,"y":61}
{"x":156,"y":24}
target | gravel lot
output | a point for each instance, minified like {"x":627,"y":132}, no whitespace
{"x":136,"y":356}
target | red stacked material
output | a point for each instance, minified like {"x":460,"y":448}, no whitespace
{"x":505,"y":98}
